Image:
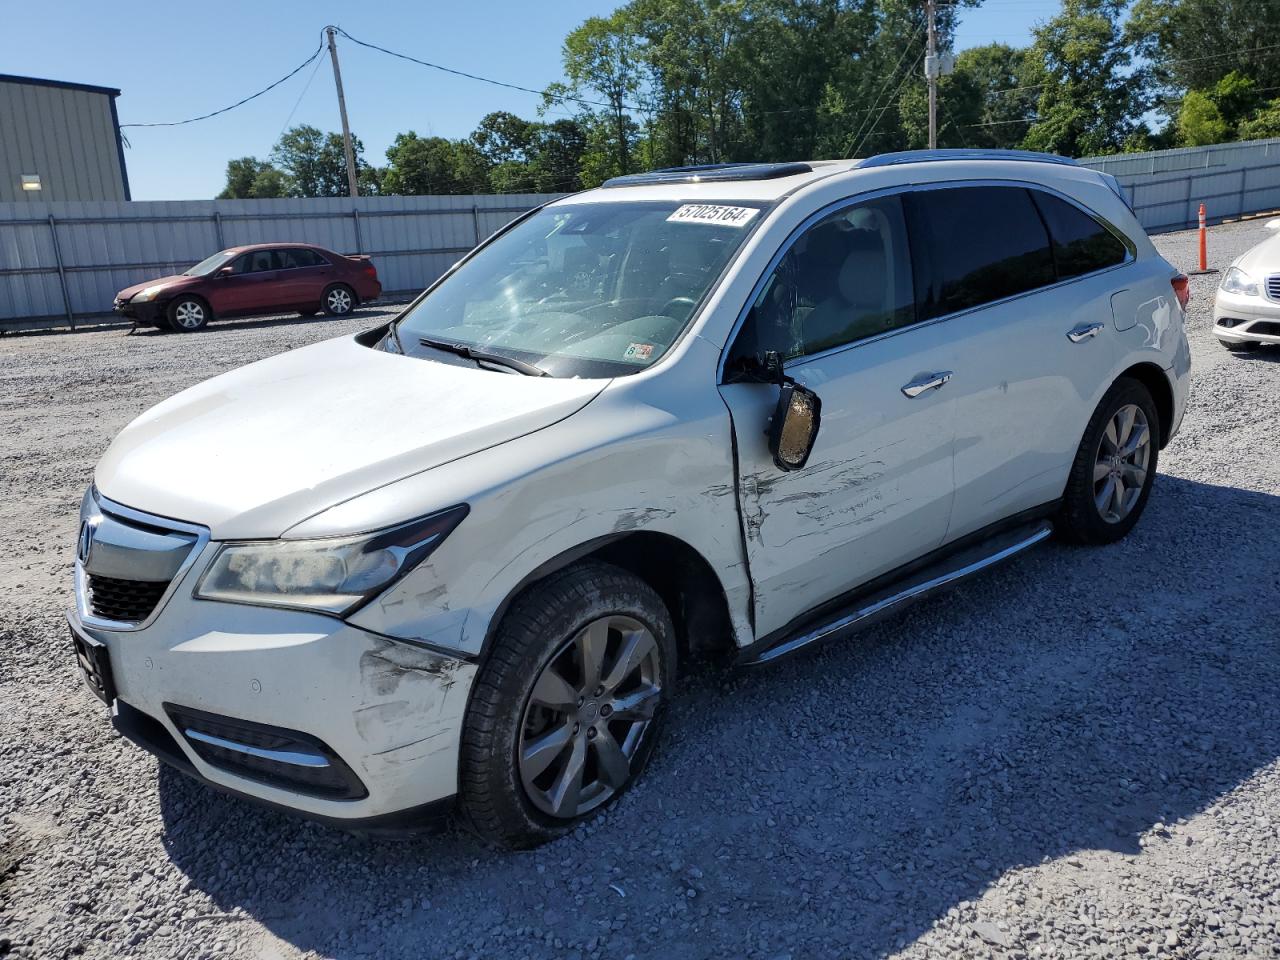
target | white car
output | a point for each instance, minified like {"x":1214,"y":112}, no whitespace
{"x":457,"y":560}
{"x":1246,"y":311}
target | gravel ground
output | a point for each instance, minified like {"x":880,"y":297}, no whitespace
{"x":1075,"y":755}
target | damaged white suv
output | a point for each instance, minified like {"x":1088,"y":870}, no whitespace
{"x":458,"y":559}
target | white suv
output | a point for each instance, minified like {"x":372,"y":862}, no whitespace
{"x":457,"y":559}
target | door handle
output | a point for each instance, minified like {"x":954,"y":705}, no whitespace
{"x":926,"y":382}
{"x":1084,"y":332}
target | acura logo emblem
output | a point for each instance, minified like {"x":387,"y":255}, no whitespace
{"x":84,"y":546}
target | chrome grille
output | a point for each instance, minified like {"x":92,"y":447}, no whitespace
{"x":126,"y":562}
{"x":1273,"y":286}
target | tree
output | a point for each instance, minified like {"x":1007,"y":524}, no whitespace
{"x":1265,"y":123}
{"x":1192,"y":44}
{"x":1089,"y":98}
{"x":251,"y":178}
{"x":502,"y":137}
{"x":601,"y":61}
{"x":316,"y":163}
{"x":433,"y":165}
{"x":1199,"y":121}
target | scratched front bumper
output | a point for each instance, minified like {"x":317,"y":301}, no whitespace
{"x":391,"y":710}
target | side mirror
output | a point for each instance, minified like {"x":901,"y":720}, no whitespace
{"x":223,"y":272}
{"x":795,"y":426}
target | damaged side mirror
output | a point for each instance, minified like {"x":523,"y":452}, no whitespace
{"x":796,"y":419}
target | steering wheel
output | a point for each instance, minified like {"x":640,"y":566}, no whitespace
{"x":687,"y":302}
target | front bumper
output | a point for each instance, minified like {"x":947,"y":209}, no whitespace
{"x":1240,"y":319}
{"x":148,"y":312}
{"x":388,"y":710}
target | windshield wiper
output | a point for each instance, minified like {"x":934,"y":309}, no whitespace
{"x":482,"y":356}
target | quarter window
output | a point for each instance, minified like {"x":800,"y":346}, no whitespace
{"x":986,"y":243}
{"x":846,"y":278}
{"x":1080,"y":243}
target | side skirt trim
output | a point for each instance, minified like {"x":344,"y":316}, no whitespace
{"x":936,"y":577}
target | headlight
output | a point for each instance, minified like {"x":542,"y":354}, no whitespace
{"x":334,"y":575}
{"x":148,"y":293}
{"x":1237,"y":281}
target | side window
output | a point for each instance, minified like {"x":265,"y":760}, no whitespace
{"x":846,"y":278}
{"x":242,"y":263}
{"x":261,"y":261}
{"x":986,"y":243}
{"x":1080,"y":243}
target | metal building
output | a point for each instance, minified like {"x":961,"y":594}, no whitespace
{"x":59,"y":141}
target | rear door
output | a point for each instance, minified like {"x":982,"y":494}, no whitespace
{"x":303,"y":276}
{"x":1033,"y":339}
{"x":839,"y":305}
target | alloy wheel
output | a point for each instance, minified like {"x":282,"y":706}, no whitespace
{"x":189,"y":315}
{"x":1120,"y":468}
{"x":587,"y":716}
{"x":339,"y":300}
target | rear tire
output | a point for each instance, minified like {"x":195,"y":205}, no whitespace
{"x":548,"y":738}
{"x":1114,"y":468}
{"x":1237,"y":346}
{"x":188,"y":314}
{"x":338,"y":300}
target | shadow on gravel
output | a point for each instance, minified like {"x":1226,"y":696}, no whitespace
{"x":840,"y":803}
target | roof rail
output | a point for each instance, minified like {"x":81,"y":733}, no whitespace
{"x":711,"y":172}
{"x":924,"y":156}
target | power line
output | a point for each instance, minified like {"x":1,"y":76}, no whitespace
{"x":476,"y":76}
{"x":298,"y":102}
{"x":892,"y":75}
{"x":238,"y":103}
{"x":888,"y":103}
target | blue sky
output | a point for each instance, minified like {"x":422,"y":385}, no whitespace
{"x":175,"y":60}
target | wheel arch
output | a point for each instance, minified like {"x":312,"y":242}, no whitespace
{"x":1157,"y":383}
{"x":355,"y":294}
{"x":688,"y":585}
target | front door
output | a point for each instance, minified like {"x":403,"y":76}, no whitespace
{"x":839,"y":307}
{"x":252,"y":286}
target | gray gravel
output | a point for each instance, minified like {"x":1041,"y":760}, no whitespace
{"x":1073,"y":756}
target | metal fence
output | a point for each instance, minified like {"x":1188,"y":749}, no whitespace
{"x":62,"y":263}
{"x":1166,"y":187}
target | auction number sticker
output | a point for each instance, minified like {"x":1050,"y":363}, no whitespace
{"x":713,"y":213}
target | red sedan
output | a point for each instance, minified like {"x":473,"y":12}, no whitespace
{"x":262,"y":278}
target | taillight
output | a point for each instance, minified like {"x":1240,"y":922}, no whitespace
{"x":1182,"y":289}
{"x":370,"y":269}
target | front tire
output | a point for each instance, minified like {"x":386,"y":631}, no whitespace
{"x":1114,"y":468}
{"x":188,"y":314}
{"x":338,"y":300}
{"x":567,"y":708}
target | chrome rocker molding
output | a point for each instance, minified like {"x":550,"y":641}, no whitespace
{"x":881,"y":603}
{"x":292,"y":757}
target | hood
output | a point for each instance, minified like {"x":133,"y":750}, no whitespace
{"x":128,"y":293}
{"x":253,"y":452}
{"x":1262,"y":259}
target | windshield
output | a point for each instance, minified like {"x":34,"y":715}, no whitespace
{"x":210,"y":264}
{"x":590,"y":290}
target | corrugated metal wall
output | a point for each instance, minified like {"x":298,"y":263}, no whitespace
{"x":93,"y":250}
{"x":65,"y":136}
{"x":1166,"y":187}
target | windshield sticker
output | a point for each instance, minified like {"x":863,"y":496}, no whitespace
{"x":638,"y":351}
{"x":713,"y":213}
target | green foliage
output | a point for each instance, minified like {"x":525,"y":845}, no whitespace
{"x":1089,"y":97}
{"x":1199,"y":121}
{"x":251,"y":178}
{"x":1264,"y":123}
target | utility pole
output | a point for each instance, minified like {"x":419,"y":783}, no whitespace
{"x":931,"y":72}
{"x":342,"y":109}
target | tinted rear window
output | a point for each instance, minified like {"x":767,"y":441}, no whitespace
{"x":1080,"y":243}
{"x":986,"y":243}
